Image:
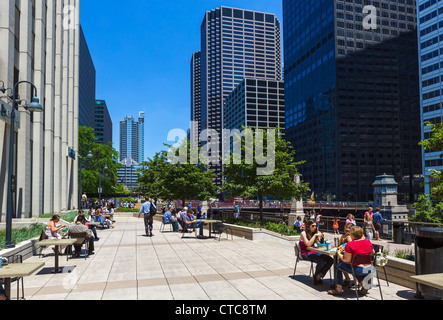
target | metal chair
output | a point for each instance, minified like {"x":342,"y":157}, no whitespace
{"x":81,"y":240}
{"x":365,"y":259}
{"x":187,"y":229}
{"x":379,"y":248}
{"x":299,"y":257}
{"x":162,"y":226}
{"x":17,"y":259}
{"x":219,"y":228}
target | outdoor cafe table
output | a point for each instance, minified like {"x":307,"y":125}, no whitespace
{"x":57,"y":243}
{"x":14,"y":270}
{"x":332,"y":253}
{"x":432,"y":280}
{"x":210,"y":222}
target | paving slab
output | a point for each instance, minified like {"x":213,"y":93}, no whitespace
{"x":127,"y":265}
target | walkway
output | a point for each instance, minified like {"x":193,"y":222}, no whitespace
{"x":127,"y":265}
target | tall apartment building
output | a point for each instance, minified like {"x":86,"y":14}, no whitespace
{"x":103,"y":123}
{"x":235,"y":44}
{"x":87,"y":76}
{"x":352,"y":95}
{"x":430,"y":47}
{"x":36,"y":46}
{"x":132,"y":138}
{"x":196,"y":95}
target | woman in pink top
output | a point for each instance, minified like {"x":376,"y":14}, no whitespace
{"x":307,"y":239}
{"x":358,"y":246}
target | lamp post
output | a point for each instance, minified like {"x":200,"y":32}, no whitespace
{"x":34,"y":106}
{"x":100,"y":184}
{"x":89,"y":156}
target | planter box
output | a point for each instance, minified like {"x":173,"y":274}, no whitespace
{"x":26,"y":249}
{"x":399,"y":271}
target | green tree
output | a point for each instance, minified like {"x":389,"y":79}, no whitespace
{"x":242,"y":177}
{"x":103,"y":155}
{"x":426,"y":211}
{"x":162,"y":179}
{"x":435,"y":143}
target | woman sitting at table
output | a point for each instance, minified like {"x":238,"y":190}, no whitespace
{"x":307,"y":239}
{"x":358,"y":246}
{"x":52,"y":230}
{"x":100,"y":218}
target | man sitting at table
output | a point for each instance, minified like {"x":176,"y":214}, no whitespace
{"x":193,"y":223}
{"x":80,"y":227}
{"x":169,"y":219}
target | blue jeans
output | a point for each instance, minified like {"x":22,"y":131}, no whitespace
{"x":198,"y":224}
{"x":2,"y":291}
{"x":360,"y":272}
{"x":324,"y":263}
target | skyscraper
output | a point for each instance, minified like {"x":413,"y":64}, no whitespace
{"x":430,"y":24}
{"x":352,"y":104}
{"x":132,"y":138}
{"x":103,"y":123}
{"x":86,"y":85}
{"x":235,"y":44}
{"x":196,"y":94}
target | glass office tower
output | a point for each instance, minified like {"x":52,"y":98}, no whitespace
{"x":352,"y":95}
{"x":196,"y":95}
{"x":235,"y":44}
{"x":132,"y":138}
{"x":430,"y":46}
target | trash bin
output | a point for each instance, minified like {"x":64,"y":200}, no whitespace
{"x":429,"y":258}
{"x":398,"y":232}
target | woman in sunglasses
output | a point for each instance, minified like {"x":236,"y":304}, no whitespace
{"x":307,"y":239}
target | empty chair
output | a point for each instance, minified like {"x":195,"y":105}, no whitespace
{"x":219,"y":228}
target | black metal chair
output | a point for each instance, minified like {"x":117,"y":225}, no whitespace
{"x":299,"y":257}
{"x":219,"y":228}
{"x":379,"y":248}
{"x":364,"y":259}
{"x":187,"y":229}
{"x":17,"y":259}
{"x":82,"y":239}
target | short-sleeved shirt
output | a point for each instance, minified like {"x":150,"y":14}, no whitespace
{"x":361,"y":247}
{"x":167,"y":217}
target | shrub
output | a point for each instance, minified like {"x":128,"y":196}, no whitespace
{"x":22,"y":234}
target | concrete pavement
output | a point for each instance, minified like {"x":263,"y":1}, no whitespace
{"x":127,"y":265}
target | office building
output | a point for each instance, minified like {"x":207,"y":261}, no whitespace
{"x":87,"y":75}
{"x":132,"y":138}
{"x":430,"y":47}
{"x":103,"y":123}
{"x":255,"y":104}
{"x":236,"y":44}
{"x":196,"y":95}
{"x":352,"y":95}
{"x":128,"y":174}
{"x":35,"y":46}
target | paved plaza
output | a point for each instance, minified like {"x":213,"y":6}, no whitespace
{"x":127,"y":265}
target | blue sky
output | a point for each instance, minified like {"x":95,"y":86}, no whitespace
{"x":142,"y":50}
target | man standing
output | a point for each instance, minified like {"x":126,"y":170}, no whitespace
{"x":146,"y":210}
{"x":377,"y":223}
{"x":236,"y":210}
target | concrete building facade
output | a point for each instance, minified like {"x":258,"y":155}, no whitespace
{"x":39,"y":42}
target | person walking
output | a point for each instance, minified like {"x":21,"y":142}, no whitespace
{"x":146,"y":210}
{"x":377,"y":223}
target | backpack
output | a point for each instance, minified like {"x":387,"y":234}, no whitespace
{"x":152,"y":210}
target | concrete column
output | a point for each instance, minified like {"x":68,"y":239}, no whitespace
{"x":297,"y":207}
{"x":24,"y":144}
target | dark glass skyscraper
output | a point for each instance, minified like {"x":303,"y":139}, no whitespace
{"x":196,"y":100}
{"x":235,"y":44}
{"x":86,"y":85}
{"x":352,"y":94}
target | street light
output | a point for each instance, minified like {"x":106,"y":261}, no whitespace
{"x":89,"y":156}
{"x":34,"y":106}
